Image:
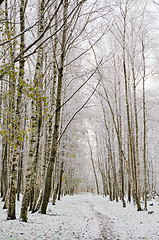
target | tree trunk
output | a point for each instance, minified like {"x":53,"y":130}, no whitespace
{"x":127,"y":104}
{"x":16,"y":106}
{"x":136,"y":153}
{"x":25,"y":201}
{"x":11,"y":215}
{"x":144,"y":121}
{"x":93,"y":165}
{"x":60,"y":182}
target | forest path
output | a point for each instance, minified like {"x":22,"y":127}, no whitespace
{"x":103,"y":223}
{"x":106,"y":228}
{"x":73,"y":218}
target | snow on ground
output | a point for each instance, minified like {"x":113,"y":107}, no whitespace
{"x":83,"y":217}
{"x":128,"y":223}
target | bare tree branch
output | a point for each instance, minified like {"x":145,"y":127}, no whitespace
{"x":74,"y":115}
{"x":1,"y":1}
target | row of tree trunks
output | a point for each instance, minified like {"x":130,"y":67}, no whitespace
{"x":32,"y":177}
{"x":54,"y":146}
{"x":16,"y":122}
{"x":34,"y":161}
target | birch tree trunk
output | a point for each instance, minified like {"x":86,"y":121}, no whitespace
{"x":16,"y":106}
{"x":19,"y":99}
{"x":25,"y":200}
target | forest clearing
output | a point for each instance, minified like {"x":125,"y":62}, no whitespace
{"x":84,"y":217}
{"x":79,"y":119}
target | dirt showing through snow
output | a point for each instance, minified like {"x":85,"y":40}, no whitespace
{"x":106,"y":232}
{"x":99,"y":221}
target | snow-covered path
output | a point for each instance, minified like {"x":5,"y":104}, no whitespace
{"x":83,"y":217}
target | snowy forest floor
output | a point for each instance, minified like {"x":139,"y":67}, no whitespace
{"x":82,"y":217}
